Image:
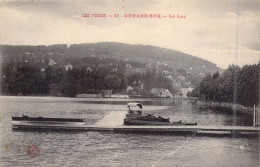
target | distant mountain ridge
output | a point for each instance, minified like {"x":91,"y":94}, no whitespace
{"x":114,"y":50}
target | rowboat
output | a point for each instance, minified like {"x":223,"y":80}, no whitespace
{"x":136,"y":117}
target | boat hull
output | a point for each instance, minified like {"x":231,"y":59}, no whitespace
{"x":28,"y":122}
{"x":42,"y":119}
{"x":155,"y":123}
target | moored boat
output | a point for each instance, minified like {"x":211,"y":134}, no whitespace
{"x":26,"y":121}
{"x":136,"y":117}
{"x":42,"y":119}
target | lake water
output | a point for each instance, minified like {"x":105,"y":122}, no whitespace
{"x":119,"y":150}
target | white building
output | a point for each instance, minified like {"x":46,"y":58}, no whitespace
{"x":160,"y":92}
{"x":51,"y":62}
{"x":129,"y":88}
{"x":184,"y":91}
{"x":128,"y":65}
{"x":89,"y":69}
{"x":68,"y":67}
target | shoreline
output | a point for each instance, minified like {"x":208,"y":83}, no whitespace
{"x":223,"y":106}
{"x":83,"y":99}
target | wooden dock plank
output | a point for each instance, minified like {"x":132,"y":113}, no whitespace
{"x":177,"y":128}
{"x":145,"y":128}
{"x":115,"y":118}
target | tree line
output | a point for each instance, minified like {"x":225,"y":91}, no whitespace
{"x":31,"y":79}
{"x":235,"y":85}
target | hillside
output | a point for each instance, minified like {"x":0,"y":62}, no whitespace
{"x":140,"y":53}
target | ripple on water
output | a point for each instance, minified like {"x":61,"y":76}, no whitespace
{"x":109,"y":149}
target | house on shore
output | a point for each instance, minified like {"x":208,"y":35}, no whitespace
{"x":138,"y":84}
{"x":129,"y":88}
{"x":184,"y":91}
{"x":160,"y":92}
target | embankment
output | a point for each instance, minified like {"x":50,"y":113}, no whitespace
{"x":222,"y":106}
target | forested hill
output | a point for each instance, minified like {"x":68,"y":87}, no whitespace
{"x":141,"y":53}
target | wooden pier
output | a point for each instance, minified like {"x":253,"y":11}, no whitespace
{"x":239,"y":129}
{"x":113,"y":122}
{"x":148,"y":129}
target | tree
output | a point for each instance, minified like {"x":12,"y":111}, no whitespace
{"x":24,"y":81}
{"x":41,"y":85}
{"x":69,"y":85}
{"x":234,"y":85}
{"x":122,"y":84}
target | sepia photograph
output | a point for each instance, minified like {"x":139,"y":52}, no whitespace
{"x":129,"y":83}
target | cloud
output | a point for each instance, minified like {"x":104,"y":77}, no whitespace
{"x":213,"y":30}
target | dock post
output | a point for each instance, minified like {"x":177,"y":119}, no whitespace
{"x":254,"y":117}
{"x":257,"y":116}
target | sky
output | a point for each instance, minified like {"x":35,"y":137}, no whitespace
{"x":222,"y":31}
